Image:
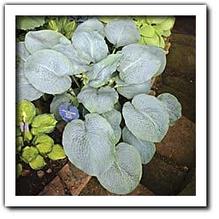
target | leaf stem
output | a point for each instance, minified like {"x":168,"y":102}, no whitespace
{"x":76,"y":82}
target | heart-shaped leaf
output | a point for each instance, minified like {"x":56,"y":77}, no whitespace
{"x":37,"y":163}
{"x":57,"y":153}
{"x":146,"y":118}
{"x":146,"y":149}
{"x":48,"y":70}
{"x":44,"y":144}
{"x":130,"y":90}
{"x":122,"y":32}
{"x":172,"y":105}
{"x":90,"y":46}
{"x":98,"y":100}
{"x":26,"y":111}
{"x":102,"y":71}
{"x":124,"y":175}
{"x":29,"y":153}
{"x":44,"y":123}
{"x":44,"y":39}
{"x":114,"y":117}
{"x":138,"y":64}
{"x":91,"y":25}
{"x":89,"y":144}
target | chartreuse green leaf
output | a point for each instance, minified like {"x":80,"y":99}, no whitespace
{"x":19,"y":169}
{"x":37,"y":163}
{"x":90,"y":46}
{"x":57,"y":101}
{"x":89,"y":144}
{"x":146,"y":118}
{"x":138,"y":64}
{"x":98,"y":100}
{"x":26,"y":111}
{"x":47,"y":70}
{"x":57,"y":153}
{"x":130,"y":90}
{"x":124,"y":175}
{"x":44,"y":123}
{"x":146,"y":149}
{"x":44,"y":39}
{"x":122,"y":32}
{"x":91,"y":25}
{"x":44,"y":143}
{"x":172,"y":106}
{"x":147,"y":31}
{"x":102,"y":71}
{"x":29,"y":23}
{"x":114,"y":117}
{"x":167,"y":24}
{"x":29,"y":153}
{"x":155,"y":19}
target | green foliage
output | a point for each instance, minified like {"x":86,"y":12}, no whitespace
{"x":154,"y":30}
{"x":62,"y":25}
{"x":34,"y":146}
{"x":108,"y":74}
{"x":29,"y":23}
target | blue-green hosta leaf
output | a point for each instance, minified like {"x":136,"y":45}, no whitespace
{"x":43,"y":123}
{"x":44,"y":39}
{"x":98,"y":100}
{"x":90,"y":46}
{"x":122,"y":32}
{"x":48,"y":70}
{"x":89,"y":144}
{"x":160,"y":55}
{"x":91,"y":25}
{"x":103,"y":70}
{"x":146,"y":118}
{"x":24,"y":89}
{"x":29,"y":23}
{"x":138,"y":64}
{"x":57,"y":101}
{"x":124,"y":174}
{"x":146,"y":149}
{"x":79,"y":65}
{"x":26,"y":112}
{"x":57,"y":153}
{"x":114,"y":117}
{"x":172,"y":105}
{"x":130,"y":90}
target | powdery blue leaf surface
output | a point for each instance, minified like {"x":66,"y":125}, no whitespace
{"x":48,"y":70}
{"x":98,"y":100}
{"x":102,"y":71}
{"x":130,"y":90}
{"x":125,"y":173}
{"x":172,"y":105}
{"x":138,"y":64}
{"x":22,"y":52}
{"x":122,"y":32}
{"x":44,"y":39}
{"x":91,"y":25}
{"x":57,"y":101}
{"x":114,"y":117}
{"x":89,"y":144}
{"x":146,"y":149}
{"x":68,"y":112}
{"x":146,"y":118}
{"x":90,"y":46}
{"x":79,"y":65}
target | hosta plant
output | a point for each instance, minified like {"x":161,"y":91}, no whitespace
{"x":101,"y":81}
{"x":33,"y":143}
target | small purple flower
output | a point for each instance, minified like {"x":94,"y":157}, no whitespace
{"x":68,"y":112}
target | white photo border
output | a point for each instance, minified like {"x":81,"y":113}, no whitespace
{"x":199,"y":200}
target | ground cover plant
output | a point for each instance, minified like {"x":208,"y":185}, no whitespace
{"x":100,"y":72}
